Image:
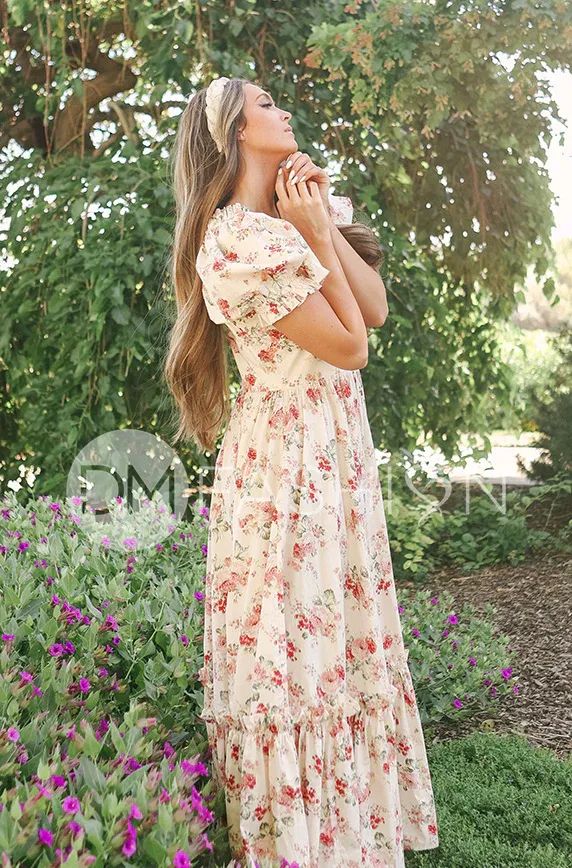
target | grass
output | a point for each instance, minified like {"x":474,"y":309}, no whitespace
{"x":501,"y":803}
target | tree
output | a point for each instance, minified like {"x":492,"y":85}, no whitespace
{"x":437,"y":121}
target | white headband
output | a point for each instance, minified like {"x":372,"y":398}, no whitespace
{"x":214,"y":96}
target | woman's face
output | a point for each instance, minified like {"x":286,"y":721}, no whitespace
{"x":267,"y":126}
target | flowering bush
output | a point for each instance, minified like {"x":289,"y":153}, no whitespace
{"x":458,"y":661}
{"x":100,"y":745}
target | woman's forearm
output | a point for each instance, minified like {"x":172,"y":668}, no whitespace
{"x":366,"y":285}
{"x":337,"y":290}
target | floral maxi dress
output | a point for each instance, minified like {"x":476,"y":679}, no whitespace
{"x":309,"y":704}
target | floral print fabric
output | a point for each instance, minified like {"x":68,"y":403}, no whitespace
{"x":308,"y":700}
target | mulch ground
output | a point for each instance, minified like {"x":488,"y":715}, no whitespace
{"x":534,"y":608}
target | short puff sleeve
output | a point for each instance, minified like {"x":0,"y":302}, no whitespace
{"x":255,"y":269}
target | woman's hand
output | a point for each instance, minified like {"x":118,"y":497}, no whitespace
{"x":303,"y":169}
{"x":302,"y":205}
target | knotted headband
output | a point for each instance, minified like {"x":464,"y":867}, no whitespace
{"x":213,"y":99}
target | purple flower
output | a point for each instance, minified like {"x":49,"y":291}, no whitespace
{"x":415,"y":632}
{"x":506,"y":673}
{"x":111,"y":623}
{"x":472,"y":661}
{"x":457,"y":703}
{"x":199,"y":595}
{"x":23,"y":546}
{"x":191,"y":768}
{"x":74,"y":827}
{"x":452,"y":619}
{"x":7,"y":637}
{"x":84,"y":685}
{"x":434,"y":601}
{"x":58,"y":780}
{"x":45,"y":837}
{"x":12,"y":734}
{"x":206,"y":841}
{"x":135,"y":812}
{"x":71,"y":805}
{"x":56,"y":650}
{"x":185,"y":639}
{"x":26,"y":677}
{"x":129,"y":846}
{"x":181,"y":860}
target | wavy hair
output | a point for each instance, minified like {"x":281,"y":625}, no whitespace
{"x":196,"y":366}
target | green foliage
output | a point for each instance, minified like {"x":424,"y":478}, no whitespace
{"x":83,"y":321}
{"x":99,"y":684}
{"x":458,"y":661}
{"x":132,"y":800}
{"x":413,"y":529}
{"x":428,"y":530}
{"x":532,"y":358}
{"x":553,"y":416}
{"x":500,"y":802}
{"x":487,"y":534}
{"x":453,"y":115}
{"x":442,"y":143}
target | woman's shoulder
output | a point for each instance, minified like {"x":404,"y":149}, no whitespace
{"x":236,"y":223}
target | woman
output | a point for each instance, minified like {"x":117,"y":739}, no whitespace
{"x":309,"y":705}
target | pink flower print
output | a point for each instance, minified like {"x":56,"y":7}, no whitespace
{"x":330,"y":682}
{"x":287,"y":796}
{"x":254,"y":617}
{"x":360,"y":648}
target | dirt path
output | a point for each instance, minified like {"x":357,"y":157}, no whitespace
{"x":534,"y":608}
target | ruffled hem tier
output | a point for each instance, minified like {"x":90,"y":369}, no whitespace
{"x":342,"y":783}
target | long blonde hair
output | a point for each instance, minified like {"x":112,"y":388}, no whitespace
{"x":196,"y":367}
